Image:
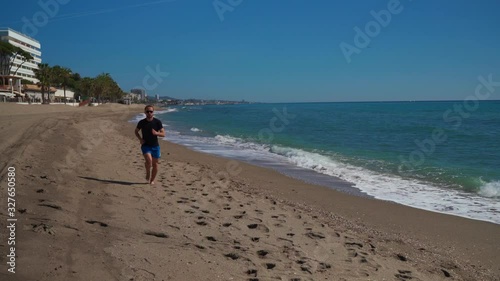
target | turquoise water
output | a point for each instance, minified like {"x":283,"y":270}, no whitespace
{"x":441,"y":156}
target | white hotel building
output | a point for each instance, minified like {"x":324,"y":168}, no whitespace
{"x":26,"y":71}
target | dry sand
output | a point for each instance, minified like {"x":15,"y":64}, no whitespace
{"x":85,"y":212}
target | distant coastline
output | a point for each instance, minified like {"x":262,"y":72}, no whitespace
{"x":219,"y":102}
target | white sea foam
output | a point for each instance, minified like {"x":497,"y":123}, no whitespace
{"x":195,"y":130}
{"x":166,"y":110}
{"x":409,"y":192}
{"x":137,"y":118}
{"x":490,"y":189}
{"x":241,"y":144}
{"x":228,"y":139}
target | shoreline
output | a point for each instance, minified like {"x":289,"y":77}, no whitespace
{"x":204,"y":221}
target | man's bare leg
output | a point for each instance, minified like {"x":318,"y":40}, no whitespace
{"x":155,"y":171}
{"x":147,"y":164}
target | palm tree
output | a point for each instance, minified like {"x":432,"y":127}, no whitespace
{"x":103,"y":86}
{"x":44,"y":74}
{"x":84,"y":87}
{"x":62,"y":76}
{"x":74,"y":83}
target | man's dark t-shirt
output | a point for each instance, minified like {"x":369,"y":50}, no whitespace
{"x":146,"y":127}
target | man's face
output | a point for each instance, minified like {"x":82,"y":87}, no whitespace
{"x":149,"y":111}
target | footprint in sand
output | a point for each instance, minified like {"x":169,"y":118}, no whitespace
{"x":324,"y":267}
{"x":156,"y":234}
{"x":260,"y":227}
{"x":354,"y":252}
{"x":200,"y":247}
{"x":43,"y":228}
{"x":252,"y":272}
{"x":403,"y":275}
{"x":270,"y":265}
{"x":315,"y":235}
{"x":262,"y":253}
{"x":51,"y":205}
{"x":97,"y":222}
{"x":401,"y":257}
{"x":233,"y":256}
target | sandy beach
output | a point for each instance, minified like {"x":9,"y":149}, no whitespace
{"x":85,"y":212}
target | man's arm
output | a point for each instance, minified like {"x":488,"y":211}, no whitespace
{"x":160,"y":133}
{"x":138,"y":136}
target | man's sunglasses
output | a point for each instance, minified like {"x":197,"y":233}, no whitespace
{"x":149,"y":111}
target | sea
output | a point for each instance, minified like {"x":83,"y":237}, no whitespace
{"x":441,"y":156}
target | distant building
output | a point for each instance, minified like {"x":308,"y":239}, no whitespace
{"x":141,"y":93}
{"x":157,"y":97}
{"x":130,"y":98}
{"x":35,"y":92}
{"x":173,"y":102}
{"x":10,"y":85}
{"x":135,"y":97}
{"x":59,"y":95}
{"x":27,"y":69}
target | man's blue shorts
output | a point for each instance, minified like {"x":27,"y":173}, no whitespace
{"x":153,"y":150}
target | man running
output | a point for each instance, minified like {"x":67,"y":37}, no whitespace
{"x":151,"y":128}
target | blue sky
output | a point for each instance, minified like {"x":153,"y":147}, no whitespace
{"x":272,"y":51}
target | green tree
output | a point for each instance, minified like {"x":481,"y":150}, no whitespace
{"x":105,"y":88}
{"x":6,"y":51}
{"x":101,"y":86}
{"x":61,"y":77}
{"x":84,"y":87}
{"x":44,"y":74}
{"x":74,"y":83}
{"x":8,"y":54}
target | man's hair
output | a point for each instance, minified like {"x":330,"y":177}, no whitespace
{"x":149,"y":106}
